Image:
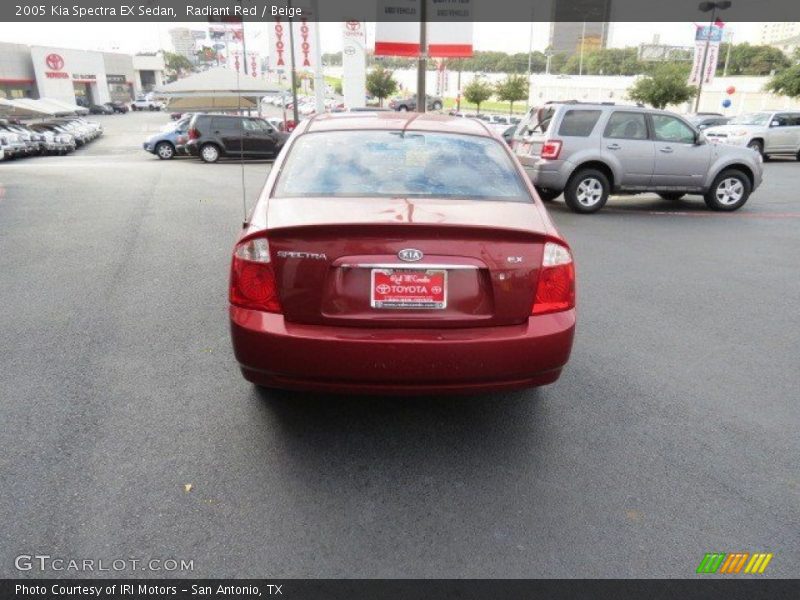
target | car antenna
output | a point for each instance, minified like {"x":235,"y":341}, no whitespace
{"x":245,"y":222}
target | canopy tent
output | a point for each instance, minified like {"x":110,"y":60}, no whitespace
{"x":218,"y":82}
{"x":67,"y":108}
{"x":210,"y":103}
{"x":26,"y":108}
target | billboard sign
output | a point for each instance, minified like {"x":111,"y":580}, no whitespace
{"x":448,"y":29}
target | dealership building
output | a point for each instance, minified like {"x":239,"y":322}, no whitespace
{"x":76,"y":76}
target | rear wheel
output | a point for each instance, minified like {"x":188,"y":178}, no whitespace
{"x":673,"y":196}
{"x":165,"y":150}
{"x":730,"y":191}
{"x":209,"y":153}
{"x":437,"y":105}
{"x":587,"y":191}
{"x":547,"y":195}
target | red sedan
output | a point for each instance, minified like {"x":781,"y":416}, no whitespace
{"x":400,"y":253}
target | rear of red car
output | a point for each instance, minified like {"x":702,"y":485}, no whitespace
{"x":397,"y":269}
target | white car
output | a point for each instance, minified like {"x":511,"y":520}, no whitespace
{"x":307,"y":109}
{"x":146,"y":103}
{"x":766,"y":132}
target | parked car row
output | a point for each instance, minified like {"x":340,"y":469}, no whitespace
{"x":108,"y":108}
{"x":214,"y":136}
{"x":306,"y":105}
{"x":56,"y":136}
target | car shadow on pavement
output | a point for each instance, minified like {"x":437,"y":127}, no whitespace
{"x":641,"y":204}
{"x":385,"y":425}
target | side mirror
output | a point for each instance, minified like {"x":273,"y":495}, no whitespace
{"x":775,"y":124}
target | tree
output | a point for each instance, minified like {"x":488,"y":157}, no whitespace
{"x":174,"y":63}
{"x":664,"y":85}
{"x":786,"y":83}
{"x":752,"y":60}
{"x":381,"y":83}
{"x":511,"y":89}
{"x":206,"y":54}
{"x":477,"y":92}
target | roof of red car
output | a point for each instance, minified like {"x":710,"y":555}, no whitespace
{"x":397,"y":121}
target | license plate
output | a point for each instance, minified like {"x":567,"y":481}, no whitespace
{"x":408,"y":288}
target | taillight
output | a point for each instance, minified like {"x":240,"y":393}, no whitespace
{"x":555,"y":290}
{"x":551,"y":149}
{"x":253,"y":282}
{"x":193,"y":134}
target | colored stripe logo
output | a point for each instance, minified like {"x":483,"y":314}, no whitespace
{"x":734,"y":563}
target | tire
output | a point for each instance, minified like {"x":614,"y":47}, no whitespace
{"x":587,"y":191}
{"x":797,"y":156}
{"x":209,"y":153}
{"x":729,"y":192}
{"x":547,"y":195}
{"x":402,"y":108}
{"x":165,"y":150}
{"x":758,"y":146}
{"x":672,"y":196}
{"x":437,"y":105}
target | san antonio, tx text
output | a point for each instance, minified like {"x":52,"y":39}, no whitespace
{"x":126,"y":589}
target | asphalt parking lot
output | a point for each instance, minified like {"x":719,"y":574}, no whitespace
{"x":672,"y":433}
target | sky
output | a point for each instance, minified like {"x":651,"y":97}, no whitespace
{"x":504,"y":37}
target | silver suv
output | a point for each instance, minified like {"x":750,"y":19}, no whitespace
{"x":766,"y":132}
{"x":588,"y":151}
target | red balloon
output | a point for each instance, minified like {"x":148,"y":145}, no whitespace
{"x":731,"y":90}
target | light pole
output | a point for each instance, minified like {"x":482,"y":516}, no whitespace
{"x":729,"y":35}
{"x":422,"y":62}
{"x":713,"y":7}
{"x":530,"y":57}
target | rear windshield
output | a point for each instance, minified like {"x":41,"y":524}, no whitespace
{"x":393,"y":163}
{"x":537,"y":120}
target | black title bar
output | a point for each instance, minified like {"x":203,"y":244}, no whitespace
{"x":400,"y":589}
{"x":400,"y":10}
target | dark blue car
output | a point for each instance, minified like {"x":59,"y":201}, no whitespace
{"x":169,"y":141}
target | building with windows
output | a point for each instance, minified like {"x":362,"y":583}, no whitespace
{"x":569,"y":35}
{"x":76,"y":76}
{"x":772,"y":33}
{"x":184,"y":41}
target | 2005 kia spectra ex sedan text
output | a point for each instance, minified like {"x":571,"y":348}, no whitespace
{"x":400,"y":253}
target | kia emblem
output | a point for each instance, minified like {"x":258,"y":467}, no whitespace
{"x":410,"y":254}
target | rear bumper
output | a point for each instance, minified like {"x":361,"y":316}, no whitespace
{"x":546,"y":173}
{"x":275,"y":353}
